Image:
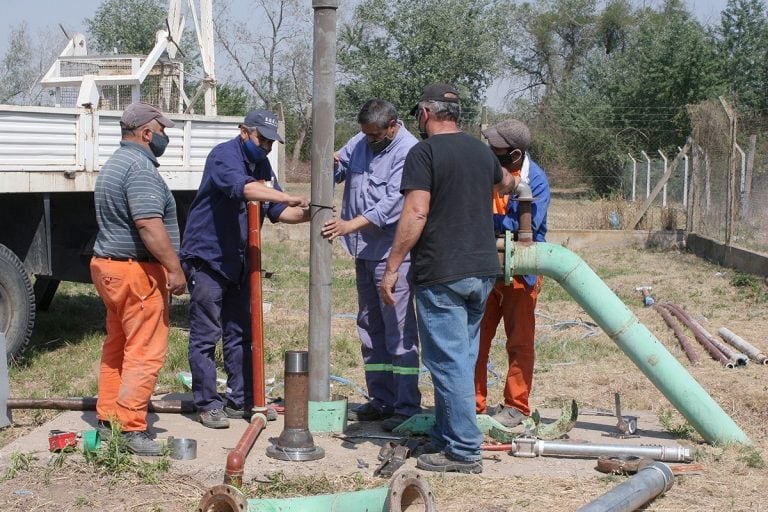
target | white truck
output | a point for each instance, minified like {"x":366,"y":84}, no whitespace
{"x":50,"y":158}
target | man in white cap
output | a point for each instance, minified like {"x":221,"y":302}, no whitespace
{"x":214,"y":258}
{"x":134,"y":268}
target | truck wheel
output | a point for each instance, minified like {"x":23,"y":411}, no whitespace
{"x":17,"y":303}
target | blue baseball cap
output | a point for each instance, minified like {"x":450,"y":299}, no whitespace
{"x":264,"y":121}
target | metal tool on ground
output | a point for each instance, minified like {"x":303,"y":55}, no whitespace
{"x":743,"y":345}
{"x":648,"y":299}
{"x":626,"y":425}
{"x":392,"y":457}
{"x":631,"y":465}
{"x":530,"y":447}
{"x":295,"y":442}
{"x":649,"y":482}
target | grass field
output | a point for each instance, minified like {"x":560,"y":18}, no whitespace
{"x":574,"y":360}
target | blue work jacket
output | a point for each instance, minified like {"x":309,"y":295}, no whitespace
{"x":217,"y":225}
{"x":534,"y":175}
{"x":372,"y":189}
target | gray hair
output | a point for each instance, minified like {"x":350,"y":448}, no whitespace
{"x":378,"y":112}
{"x":442,"y":110}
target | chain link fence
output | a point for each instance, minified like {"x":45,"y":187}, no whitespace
{"x":729,"y":185}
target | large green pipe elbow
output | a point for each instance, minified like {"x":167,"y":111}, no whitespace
{"x":624,"y":328}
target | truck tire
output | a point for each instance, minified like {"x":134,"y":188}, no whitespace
{"x":17,"y":303}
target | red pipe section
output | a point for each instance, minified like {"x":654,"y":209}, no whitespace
{"x":233,"y":474}
{"x":700,"y":336}
{"x":685,"y":343}
{"x":257,"y":316}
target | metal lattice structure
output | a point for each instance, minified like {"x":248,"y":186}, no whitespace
{"x":161,"y":87}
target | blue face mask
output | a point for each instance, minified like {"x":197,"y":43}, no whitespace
{"x":255,"y":154}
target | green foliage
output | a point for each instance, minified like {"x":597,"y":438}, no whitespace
{"x":16,"y":75}
{"x":742,"y":48}
{"x":126,"y":26}
{"x":278,"y":485}
{"x":682,"y":430}
{"x":752,"y":457}
{"x":630,"y":89}
{"x":392,"y":49}
{"x":231,"y":100}
{"x":19,"y":462}
{"x":115,"y":460}
{"x":751,"y":286}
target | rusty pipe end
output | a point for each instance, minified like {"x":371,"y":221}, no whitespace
{"x":233,"y":473}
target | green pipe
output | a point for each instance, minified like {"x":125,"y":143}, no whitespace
{"x":632,"y":337}
{"x":368,"y":500}
{"x":226,"y":498}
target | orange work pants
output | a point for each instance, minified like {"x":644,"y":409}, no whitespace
{"x":516,"y":304}
{"x":136,"y":297}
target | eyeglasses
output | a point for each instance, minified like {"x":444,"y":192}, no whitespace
{"x":261,"y":141}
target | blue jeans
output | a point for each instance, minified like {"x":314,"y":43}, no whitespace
{"x":449,"y":317}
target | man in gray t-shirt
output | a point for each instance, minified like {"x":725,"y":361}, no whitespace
{"x":134,"y":268}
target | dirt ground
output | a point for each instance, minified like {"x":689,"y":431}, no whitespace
{"x":733,"y":477}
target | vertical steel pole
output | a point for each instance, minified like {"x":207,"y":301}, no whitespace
{"x":320,"y":270}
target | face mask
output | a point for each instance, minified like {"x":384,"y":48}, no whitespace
{"x":422,"y":128}
{"x":379,"y":145}
{"x":507,"y":159}
{"x":158,"y":144}
{"x":255,"y":154}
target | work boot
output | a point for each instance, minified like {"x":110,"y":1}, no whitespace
{"x":443,"y":463}
{"x":509,"y":417}
{"x":237,"y":414}
{"x":394,"y":421}
{"x":104,"y":428}
{"x":367,"y":412}
{"x":139,"y":443}
{"x":426,"y":448}
{"x":215,"y":418}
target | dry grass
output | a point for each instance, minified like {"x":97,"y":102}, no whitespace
{"x":568,"y":365}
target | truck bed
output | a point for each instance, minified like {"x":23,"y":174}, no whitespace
{"x":49,"y":149}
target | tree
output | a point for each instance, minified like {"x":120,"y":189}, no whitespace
{"x":550,"y":40}
{"x":126,"y":26}
{"x":273,"y":57}
{"x":742,"y":48}
{"x":631,"y":91}
{"x":257,"y":50}
{"x":24,"y":64}
{"x":392,"y":48}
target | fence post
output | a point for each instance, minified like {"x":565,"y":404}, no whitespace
{"x":731,"y":193}
{"x":685,"y":178}
{"x":647,"y":175}
{"x":748,"y":177}
{"x":664,"y":190}
{"x":634,"y":176}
